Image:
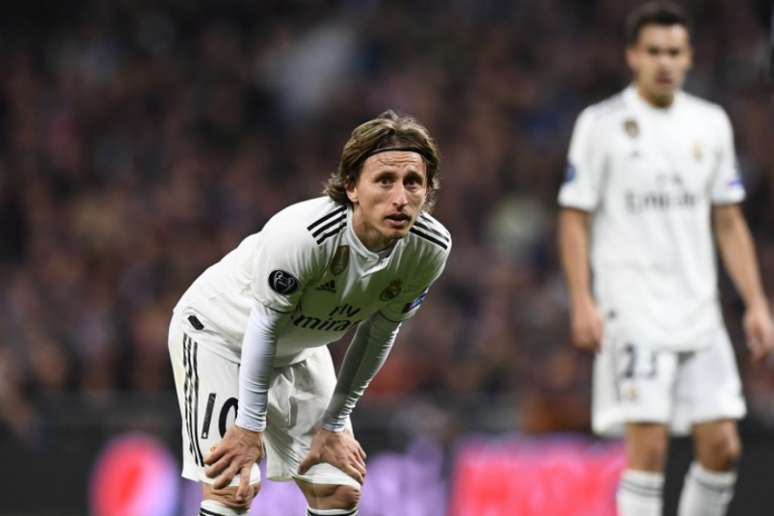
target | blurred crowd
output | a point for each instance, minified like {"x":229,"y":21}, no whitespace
{"x":140,"y":141}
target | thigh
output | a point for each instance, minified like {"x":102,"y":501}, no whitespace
{"x":708,"y":386}
{"x":298,"y":397}
{"x":207,"y":387}
{"x":631,"y":384}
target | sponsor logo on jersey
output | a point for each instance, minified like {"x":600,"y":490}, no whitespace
{"x":331,"y":322}
{"x":631,"y":128}
{"x":391,"y":291}
{"x":670,"y":193}
{"x":282,"y":282}
{"x":415,"y":303}
{"x":340,"y":260}
{"x":329,"y":286}
{"x":570,"y":172}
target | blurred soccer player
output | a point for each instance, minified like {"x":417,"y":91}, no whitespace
{"x":251,"y":332}
{"x":651,"y":179}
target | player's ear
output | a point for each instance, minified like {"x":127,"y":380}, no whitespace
{"x":352,"y":194}
{"x":631,"y":58}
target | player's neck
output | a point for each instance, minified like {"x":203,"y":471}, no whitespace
{"x":656,"y":101}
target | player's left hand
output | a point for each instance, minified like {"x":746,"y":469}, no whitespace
{"x":759,"y":331}
{"x":339,"y":449}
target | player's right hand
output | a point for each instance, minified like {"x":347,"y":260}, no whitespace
{"x":235,"y":454}
{"x":586,"y":324}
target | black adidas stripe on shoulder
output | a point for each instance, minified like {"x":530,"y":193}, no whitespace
{"x":336,"y":230}
{"x":328,"y":225}
{"x":437,"y":241}
{"x":426,"y":224}
{"x":325,"y":217}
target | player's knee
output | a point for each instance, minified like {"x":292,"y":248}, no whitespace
{"x":648,"y":451}
{"x":227,"y":495}
{"x":331,"y":496}
{"x":345,"y":497}
{"x":723,"y":451}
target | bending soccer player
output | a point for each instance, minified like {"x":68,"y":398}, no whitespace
{"x":248,"y":339}
{"x":651,"y":182}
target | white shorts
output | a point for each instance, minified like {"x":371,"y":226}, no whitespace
{"x":678,"y":388}
{"x":207,"y":386}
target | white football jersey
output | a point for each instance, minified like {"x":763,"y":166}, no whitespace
{"x":649,"y":177}
{"x":308,"y":262}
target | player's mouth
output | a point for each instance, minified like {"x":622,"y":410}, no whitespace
{"x":664,"y":80}
{"x":398,"y":220}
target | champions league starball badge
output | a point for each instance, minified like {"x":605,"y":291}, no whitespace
{"x":282,"y":282}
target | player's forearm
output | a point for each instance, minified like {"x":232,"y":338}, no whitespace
{"x":258,"y":350}
{"x":737,"y":251}
{"x":574,"y":252}
{"x":369,"y":349}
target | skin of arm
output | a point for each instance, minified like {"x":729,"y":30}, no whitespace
{"x":586,"y":323}
{"x":737,"y":251}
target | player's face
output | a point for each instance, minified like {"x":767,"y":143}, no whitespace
{"x":388,"y":197}
{"x":660,"y":59}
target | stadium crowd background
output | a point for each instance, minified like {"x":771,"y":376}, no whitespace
{"x":140,"y":141}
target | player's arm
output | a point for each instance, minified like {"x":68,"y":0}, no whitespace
{"x":366,"y":354}
{"x":284,"y":261}
{"x":586,"y":323}
{"x":242,"y":445}
{"x":578,"y":198}
{"x":737,"y":251}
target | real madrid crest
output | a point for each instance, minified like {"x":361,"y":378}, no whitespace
{"x":631,"y":127}
{"x":391,"y":291}
{"x":340,"y":260}
{"x":698,"y":151}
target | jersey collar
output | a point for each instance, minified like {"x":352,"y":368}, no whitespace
{"x":376,"y":260}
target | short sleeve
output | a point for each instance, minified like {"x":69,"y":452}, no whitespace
{"x":727,"y":186}
{"x":285,"y":262}
{"x":583,"y":175}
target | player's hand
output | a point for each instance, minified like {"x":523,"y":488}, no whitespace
{"x":759,"y":331}
{"x":339,"y":449}
{"x":235,"y":454}
{"x":586,"y":324}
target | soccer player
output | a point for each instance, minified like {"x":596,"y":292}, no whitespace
{"x":651,"y":181}
{"x":248,"y":339}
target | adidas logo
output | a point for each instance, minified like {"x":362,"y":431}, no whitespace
{"x":328,"y":287}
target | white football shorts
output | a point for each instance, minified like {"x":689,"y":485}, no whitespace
{"x":634,"y":383}
{"x":207,"y":386}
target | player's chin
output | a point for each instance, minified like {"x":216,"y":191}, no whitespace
{"x":394,"y":233}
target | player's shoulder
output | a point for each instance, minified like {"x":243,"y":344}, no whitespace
{"x":611,"y":108}
{"x":704,"y":108}
{"x":428,"y":233}
{"x":312,"y":221}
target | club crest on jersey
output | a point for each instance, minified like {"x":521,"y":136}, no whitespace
{"x":340,"y":260}
{"x":697,"y":151}
{"x":631,"y":127}
{"x":392,"y":290}
{"x":282,"y":282}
